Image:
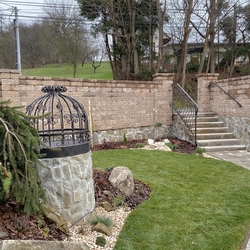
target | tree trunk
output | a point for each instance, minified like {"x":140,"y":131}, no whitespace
{"x":150,"y":39}
{"x":181,"y":73}
{"x":161,"y":15}
{"x":133,"y":39}
{"x":212,"y":35}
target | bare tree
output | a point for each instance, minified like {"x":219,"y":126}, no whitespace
{"x":96,"y":63}
{"x":216,"y":10}
{"x":161,"y":12}
{"x":34,"y":44}
{"x":7,"y":54}
{"x":187,"y":8}
{"x":66,"y":27}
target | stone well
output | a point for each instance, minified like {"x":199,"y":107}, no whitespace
{"x":66,"y":176}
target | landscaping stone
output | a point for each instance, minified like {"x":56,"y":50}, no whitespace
{"x":101,"y":228}
{"x":56,"y":218}
{"x":107,"y":206}
{"x":117,"y":135}
{"x":122,"y":178}
{"x":3,"y":235}
{"x":44,"y":245}
{"x":157,"y":145}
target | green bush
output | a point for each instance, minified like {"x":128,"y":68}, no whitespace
{"x":100,"y":241}
{"x":172,"y":146}
{"x":125,"y":141}
{"x":140,"y":144}
{"x":102,"y":219}
{"x":192,"y":67}
{"x":200,"y":151}
{"x":158,"y":124}
{"x":118,"y":200}
{"x":145,"y":74}
{"x":19,"y":147}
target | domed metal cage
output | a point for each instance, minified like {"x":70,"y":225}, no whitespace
{"x":61,"y":123}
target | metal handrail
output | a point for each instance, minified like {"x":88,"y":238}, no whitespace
{"x":215,"y":84}
{"x":186,"y":108}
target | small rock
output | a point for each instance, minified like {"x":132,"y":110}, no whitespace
{"x":55,"y":217}
{"x":107,"y":206}
{"x":166,"y":141}
{"x":106,"y":192}
{"x":101,"y":228}
{"x":150,"y":141}
{"x":3,"y":235}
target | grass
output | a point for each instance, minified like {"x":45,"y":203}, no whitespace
{"x":196,"y":202}
{"x":66,"y":71}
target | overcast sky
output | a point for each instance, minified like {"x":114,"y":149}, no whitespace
{"x":31,"y":10}
{"x":28,"y":10}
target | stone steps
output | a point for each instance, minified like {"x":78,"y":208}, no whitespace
{"x":211,"y":130}
{"x":224,"y":148}
{"x":213,"y":136}
{"x":209,"y":136}
{"x":218,"y":142}
{"x":209,"y":124}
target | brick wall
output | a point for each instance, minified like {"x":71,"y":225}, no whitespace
{"x":214,"y":99}
{"x":114,"y":104}
{"x":236,"y":118}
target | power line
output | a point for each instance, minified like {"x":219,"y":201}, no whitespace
{"x":37,"y":4}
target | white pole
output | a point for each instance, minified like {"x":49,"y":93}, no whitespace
{"x":17,"y":41}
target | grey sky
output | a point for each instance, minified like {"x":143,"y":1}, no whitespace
{"x":28,"y":10}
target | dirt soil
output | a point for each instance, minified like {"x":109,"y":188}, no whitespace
{"x":17,"y":225}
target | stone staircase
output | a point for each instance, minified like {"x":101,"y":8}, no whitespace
{"x":213,"y":136}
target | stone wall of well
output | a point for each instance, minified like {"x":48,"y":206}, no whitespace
{"x":68,"y":185}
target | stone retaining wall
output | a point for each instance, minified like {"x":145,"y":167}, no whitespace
{"x":100,"y":137}
{"x":180,"y":130}
{"x":240,"y":127}
{"x":68,"y":185}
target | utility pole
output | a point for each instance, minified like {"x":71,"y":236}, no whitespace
{"x":17,"y":41}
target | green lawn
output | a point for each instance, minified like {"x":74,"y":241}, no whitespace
{"x":66,"y":71}
{"x":196,"y":203}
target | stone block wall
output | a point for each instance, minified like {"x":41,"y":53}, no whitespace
{"x":68,"y":185}
{"x":236,"y":118}
{"x":214,"y":99}
{"x":114,"y":106}
{"x":239,"y":89}
{"x":116,"y":135}
{"x":203,"y":95}
{"x":240,"y":127}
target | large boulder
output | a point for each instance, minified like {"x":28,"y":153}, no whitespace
{"x":122,"y":178}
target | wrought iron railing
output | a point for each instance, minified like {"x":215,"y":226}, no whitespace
{"x":215,"y":84}
{"x":186,"y":108}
